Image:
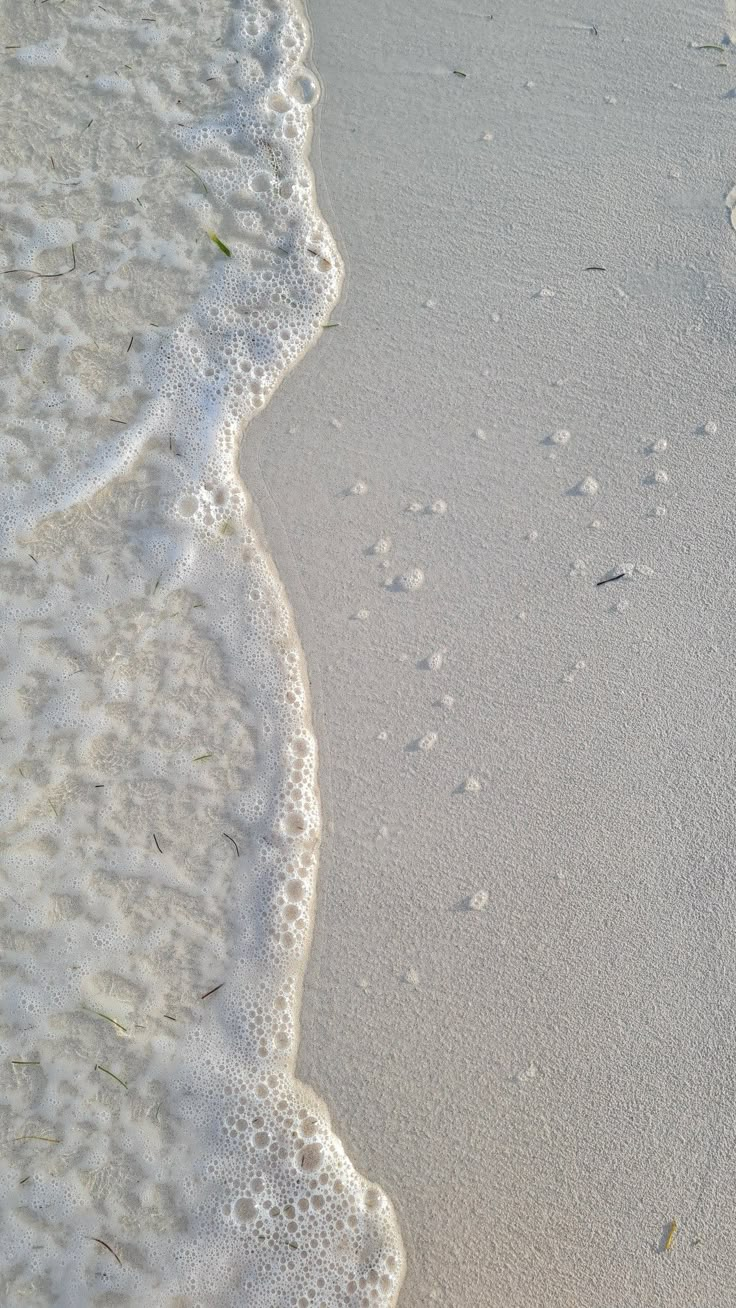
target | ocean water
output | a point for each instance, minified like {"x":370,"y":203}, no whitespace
{"x":164,"y":265}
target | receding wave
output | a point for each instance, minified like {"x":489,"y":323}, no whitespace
{"x":165,"y":265}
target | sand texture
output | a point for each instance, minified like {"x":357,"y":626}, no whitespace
{"x":544,"y":1083}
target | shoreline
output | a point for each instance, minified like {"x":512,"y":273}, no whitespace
{"x":513,"y":1075}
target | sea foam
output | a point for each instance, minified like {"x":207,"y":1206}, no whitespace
{"x":160,"y":810}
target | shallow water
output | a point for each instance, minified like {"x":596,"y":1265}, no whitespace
{"x":160,"y":810}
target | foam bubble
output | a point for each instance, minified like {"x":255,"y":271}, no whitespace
{"x":434,"y":661}
{"x":470,"y":786}
{"x":408,"y":581}
{"x":45,"y":54}
{"x":382,"y":545}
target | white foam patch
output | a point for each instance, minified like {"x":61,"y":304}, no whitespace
{"x":44,"y":54}
{"x":160,"y":812}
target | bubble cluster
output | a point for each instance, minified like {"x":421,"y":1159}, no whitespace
{"x":381,"y":546}
{"x":587,"y":487}
{"x":408,"y":581}
{"x":434,"y":661}
{"x":470,"y":786}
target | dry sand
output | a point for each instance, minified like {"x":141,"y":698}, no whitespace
{"x":545,"y":1082}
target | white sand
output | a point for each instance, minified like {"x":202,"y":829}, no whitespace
{"x":542,"y":1086}
{"x":519,"y":1002}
